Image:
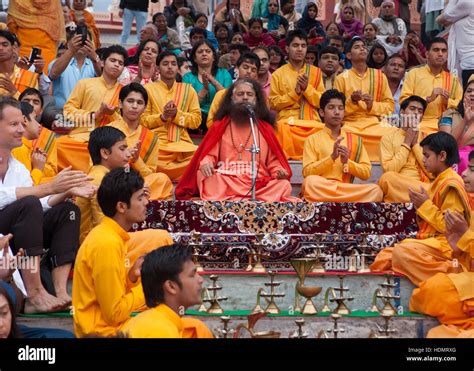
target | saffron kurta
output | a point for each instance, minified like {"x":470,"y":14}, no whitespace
{"x":160,"y":185}
{"x":47,"y":142}
{"x":421,"y":81}
{"x":84,"y":100}
{"x":358,"y":119}
{"x":163,"y":322}
{"x":176,"y":146}
{"x":328,"y":180}
{"x":402,"y":165}
{"x":215,"y":105}
{"x":22,"y":79}
{"x":297,"y":114}
{"x":449,"y":297}
{"x":102,"y":295}
{"x":232,"y":180}
{"x":430,"y":253}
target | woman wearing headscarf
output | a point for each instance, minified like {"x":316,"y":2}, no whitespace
{"x":275,"y":24}
{"x":309,"y":23}
{"x":350,"y":26}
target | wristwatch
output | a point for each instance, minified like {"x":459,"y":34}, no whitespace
{"x":97,"y":59}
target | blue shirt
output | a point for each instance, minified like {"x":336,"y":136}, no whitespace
{"x":222,"y":76}
{"x":66,"y":82}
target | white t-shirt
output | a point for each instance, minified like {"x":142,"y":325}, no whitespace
{"x":17,"y":176}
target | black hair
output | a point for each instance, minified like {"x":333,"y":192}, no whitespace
{"x":251,"y":58}
{"x":197,"y":31}
{"x":114,"y":49}
{"x":192,"y":57}
{"x":278,"y":51}
{"x":199,"y":15}
{"x":220,"y":25}
{"x":31,"y":91}
{"x":133,"y":87}
{"x":370,"y":58}
{"x":15,"y":332}
{"x":156,"y":15}
{"x":352,"y":42}
{"x":5,"y":102}
{"x":436,"y":40}
{"x":442,"y":141}
{"x":118,"y":185}
{"x":161,"y":265}
{"x":413,"y":98}
{"x":242,"y":48}
{"x":103,"y":137}
{"x":253,"y":20}
{"x":9,"y":36}
{"x":26,"y":109}
{"x":338,"y":29}
{"x":371,"y":24}
{"x":165,"y":54}
{"x":313,"y":50}
{"x":261,"y":109}
{"x":336,"y":37}
{"x":331,"y":94}
{"x":298,"y":33}
{"x":181,"y":61}
{"x":135,"y":58}
{"x":460,"y":108}
{"x":329,"y":50}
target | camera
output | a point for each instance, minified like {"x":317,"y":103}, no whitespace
{"x":35,"y":52}
{"x":82,"y":30}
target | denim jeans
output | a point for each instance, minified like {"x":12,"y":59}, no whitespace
{"x":128,"y":16}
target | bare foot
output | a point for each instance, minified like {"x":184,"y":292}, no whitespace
{"x":65,"y":298}
{"x":43,"y":303}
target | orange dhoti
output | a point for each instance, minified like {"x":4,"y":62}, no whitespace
{"x":416,"y":259}
{"x":316,"y":188}
{"x":173,"y":164}
{"x":160,"y":186}
{"x":439,"y":297}
{"x":395,"y":186}
{"x":224,"y":187}
{"x":72,"y":152}
{"x":292,"y":133}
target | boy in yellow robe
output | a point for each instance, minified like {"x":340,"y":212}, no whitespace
{"x":108,"y":149}
{"x":247,"y":67}
{"x":450,"y":297}
{"x":369,"y":99}
{"x":172,"y":109}
{"x":107,"y":287}
{"x":430,"y":253}
{"x":440,"y":88}
{"x":143,"y":142}
{"x":92,"y":103}
{"x":333,"y":157}
{"x":401,"y":154}
{"x":295,"y":91}
{"x":171,"y":284}
{"x":13,"y":79}
{"x":38,"y":151}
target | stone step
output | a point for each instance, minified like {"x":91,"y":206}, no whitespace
{"x":241,"y":289}
{"x":355,"y":325}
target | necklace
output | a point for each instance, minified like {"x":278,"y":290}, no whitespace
{"x":242,"y":146}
